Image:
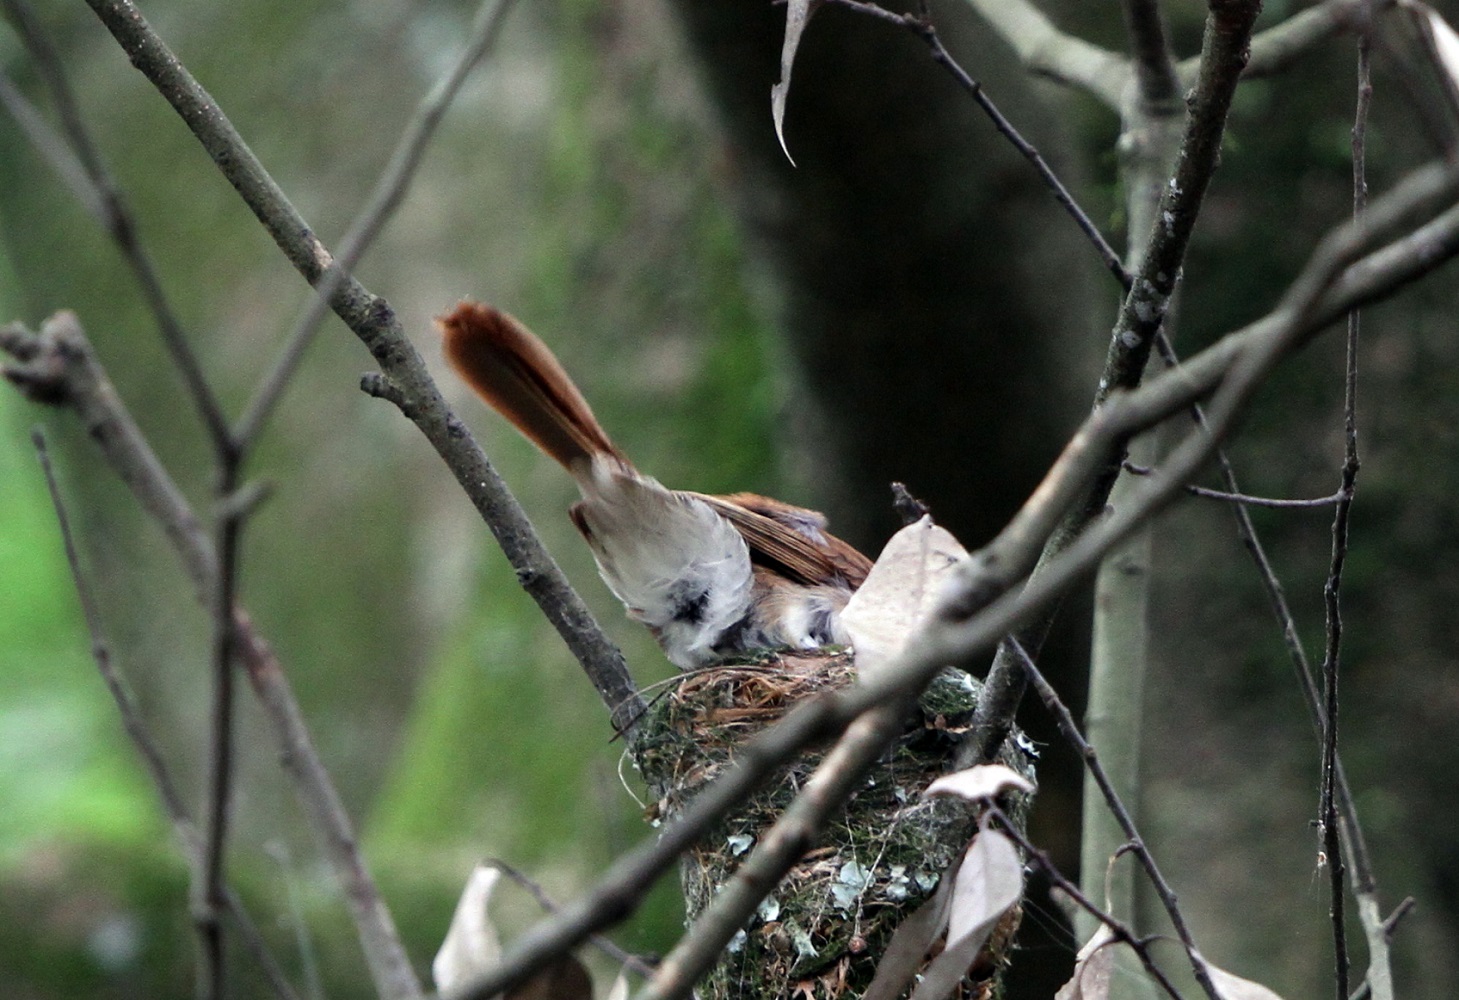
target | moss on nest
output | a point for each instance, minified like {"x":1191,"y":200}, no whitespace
{"x":823,"y":930}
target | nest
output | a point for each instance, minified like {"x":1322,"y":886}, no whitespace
{"x":820,"y":935}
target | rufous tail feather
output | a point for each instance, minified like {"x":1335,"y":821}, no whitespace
{"x":518,"y":376}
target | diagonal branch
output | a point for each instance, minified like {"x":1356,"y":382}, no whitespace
{"x":979,"y":608}
{"x":58,"y":367}
{"x":385,"y":198}
{"x":102,"y":197}
{"x":1046,"y":50}
{"x":405,"y":381}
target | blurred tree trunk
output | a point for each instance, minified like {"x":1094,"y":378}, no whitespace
{"x":913,"y":249}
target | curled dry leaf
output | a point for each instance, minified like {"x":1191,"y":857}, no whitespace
{"x":989,"y":884}
{"x":797,"y":15}
{"x":899,"y":593}
{"x":471,"y":945}
{"x":1093,"y":969}
{"x":983,"y":781}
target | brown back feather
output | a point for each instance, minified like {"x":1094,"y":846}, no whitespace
{"x":518,"y":376}
{"x":776,"y":534}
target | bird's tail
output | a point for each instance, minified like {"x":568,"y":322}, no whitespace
{"x":518,"y":376}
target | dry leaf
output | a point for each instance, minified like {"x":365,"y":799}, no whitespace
{"x":619,"y":990}
{"x":797,"y":15}
{"x":899,"y":592}
{"x":989,"y":884}
{"x":562,"y":979}
{"x":472,"y":945}
{"x":983,"y":781}
{"x":1233,"y":987}
{"x":911,"y":941}
{"x":1441,"y":39}
{"x":1093,"y":969}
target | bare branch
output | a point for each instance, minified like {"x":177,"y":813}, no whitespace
{"x":152,"y":759}
{"x":375,"y":323}
{"x":1228,"y":28}
{"x":1069,"y":729}
{"x":59,"y":367}
{"x":1046,"y":50}
{"x":102,"y":197}
{"x":973,"y":616}
{"x":388,"y":193}
{"x":1154,"y":73}
{"x":1120,"y":930}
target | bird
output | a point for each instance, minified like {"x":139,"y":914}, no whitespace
{"x":711,"y":576}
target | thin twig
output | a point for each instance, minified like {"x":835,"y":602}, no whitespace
{"x":1069,"y":729}
{"x":606,"y":945}
{"x":104,"y":199}
{"x":385,"y":198}
{"x":59,"y":367}
{"x":208,"y":907}
{"x":136,"y":729}
{"x":922,"y":26}
{"x":1120,"y":930}
{"x":1332,"y":589}
{"x":1233,"y":496}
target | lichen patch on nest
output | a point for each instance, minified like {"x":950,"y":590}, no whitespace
{"x":821,"y":932}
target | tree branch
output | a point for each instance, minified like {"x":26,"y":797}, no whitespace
{"x":1046,"y":50}
{"x":102,"y":197}
{"x":152,"y":760}
{"x":375,"y":323}
{"x":1228,"y":28}
{"x":972,"y":615}
{"x":58,"y":367}
{"x":385,"y":198}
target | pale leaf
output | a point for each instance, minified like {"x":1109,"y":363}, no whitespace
{"x":911,"y":941}
{"x":797,"y":14}
{"x":472,"y":945}
{"x":988,"y":885}
{"x":619,"y":990}
{"x":1093,"y":969}
{"x":982,"y":781}
{"x":899,"y":593}
{"x":1233,"y":987}
{"x":563,"y":978}
{"x":1442,"y":37}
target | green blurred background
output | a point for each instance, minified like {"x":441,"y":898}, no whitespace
{"x":906,"y":304}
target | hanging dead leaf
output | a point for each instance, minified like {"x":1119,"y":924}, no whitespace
{"x":797,"y":15}
{"x":983,"y":781}
{"x":619,"y":989}
{"x":563,"y":979}
{"x":1094,"y":968}
{"x":898,"y":593}
{"x":989,"y":884}
{"x":472,"y":944}
{"x":911,"y":941}
{"x":1233,"y":987}
{"x":1441,"y":41}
